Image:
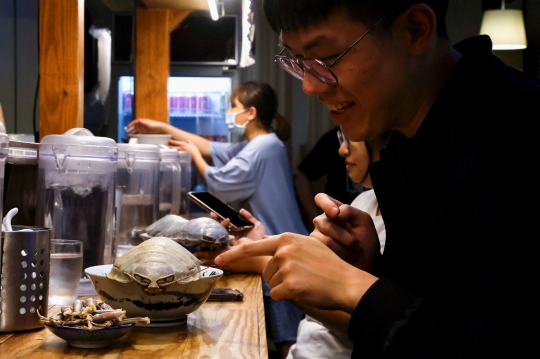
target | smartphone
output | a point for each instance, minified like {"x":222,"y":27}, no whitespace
{"x":225,"y":295}
{"x":213,"y":204}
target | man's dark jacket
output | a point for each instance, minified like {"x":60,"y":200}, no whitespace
{"x":459,"y":204}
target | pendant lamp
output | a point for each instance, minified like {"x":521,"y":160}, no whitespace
{"x":505,"y":27}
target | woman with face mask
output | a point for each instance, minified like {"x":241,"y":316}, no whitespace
{"x":254,"y":170}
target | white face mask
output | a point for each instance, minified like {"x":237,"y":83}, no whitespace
{"x":230,"y":121}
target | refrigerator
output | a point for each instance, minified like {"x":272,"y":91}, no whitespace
{"x":197,"y":104}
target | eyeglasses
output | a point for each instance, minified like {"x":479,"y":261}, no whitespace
{"x":342,"y":139}
{"x":316,"y":67}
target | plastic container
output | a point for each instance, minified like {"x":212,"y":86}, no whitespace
{"x":76,"y":188}
{"x":169,"y":182}
{"x":24,"y":278}
{"x":137,"y":192}
{"x":185,"y":183}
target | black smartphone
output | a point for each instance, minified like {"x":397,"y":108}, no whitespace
{"x":225,"y":295}
{"x":213,"y":204}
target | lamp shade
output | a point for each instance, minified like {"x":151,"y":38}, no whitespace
{"x":506,"y":29}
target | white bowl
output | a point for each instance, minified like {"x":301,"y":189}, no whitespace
{"x":152,"y":139}
{"x":166,"y":309}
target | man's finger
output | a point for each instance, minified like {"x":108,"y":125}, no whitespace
{"x":263,"y":247}
{"x":329,"y":205}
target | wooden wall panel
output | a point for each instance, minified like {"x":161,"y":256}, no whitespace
{"x":152,"y":64}
{"x":61,"y":65}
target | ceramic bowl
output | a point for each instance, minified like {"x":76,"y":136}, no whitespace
{"x":152,"y":139}
{"x":165,"y":309}
{"x":84,"y":338}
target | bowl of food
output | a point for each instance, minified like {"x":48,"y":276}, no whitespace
{"x":158,"y":279}
{"x":90,"y":323}
{"x":152,"y":139}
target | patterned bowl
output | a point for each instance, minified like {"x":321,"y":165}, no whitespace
{"x":166,"y":309}
{"x":84,"y":338}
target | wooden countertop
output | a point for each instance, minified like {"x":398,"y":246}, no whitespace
{"x":216,"y":330}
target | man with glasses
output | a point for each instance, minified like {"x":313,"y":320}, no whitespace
{"x":455,"y":280}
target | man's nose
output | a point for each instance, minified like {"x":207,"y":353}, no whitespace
{"x":311,"y":85}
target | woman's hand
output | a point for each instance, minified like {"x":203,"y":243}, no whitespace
{"x":146,"y":125}
{"x":257,"y":232}
{"x":187,"y":146}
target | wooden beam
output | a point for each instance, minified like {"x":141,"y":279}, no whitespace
{"x":61,"y":65}
{"x":152,"y":60}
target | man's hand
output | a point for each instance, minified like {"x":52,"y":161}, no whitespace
{"x":304,"y":269}
{"x":348,"y":231}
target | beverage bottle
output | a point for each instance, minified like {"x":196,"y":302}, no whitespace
{"x":128,"y":102}
{"x":191,"y":105}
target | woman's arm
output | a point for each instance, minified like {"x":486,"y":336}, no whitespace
{"x":145,"y":125}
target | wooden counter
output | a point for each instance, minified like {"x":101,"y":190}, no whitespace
{"x":216,"y":330}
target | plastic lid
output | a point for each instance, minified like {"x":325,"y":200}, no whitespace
{"x":142,"y":151}
{"x":169,"y":154}
{"x":81,"y":142}
{"x":185,"y":156}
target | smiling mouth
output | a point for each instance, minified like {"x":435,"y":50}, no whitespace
{"x":340,"y":107}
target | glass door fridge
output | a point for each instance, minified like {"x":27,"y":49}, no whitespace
{"x":196,"y":104}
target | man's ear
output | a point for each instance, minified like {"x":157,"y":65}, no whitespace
{"x":421,"y":26}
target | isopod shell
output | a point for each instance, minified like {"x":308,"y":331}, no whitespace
{"x":157,"y":257}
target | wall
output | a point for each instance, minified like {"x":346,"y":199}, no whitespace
{"x":19,"y":64}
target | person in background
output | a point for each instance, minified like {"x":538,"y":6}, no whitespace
{"x":323,"y":159}
{"x":256,"y":172}
{"x":454,"y":280}
{"x":330,"y":341}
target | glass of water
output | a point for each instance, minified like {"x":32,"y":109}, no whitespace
{"x":65,"y":270}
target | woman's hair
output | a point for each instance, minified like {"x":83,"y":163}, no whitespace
{"x":292,"y":15}
{"x":263,"y":97}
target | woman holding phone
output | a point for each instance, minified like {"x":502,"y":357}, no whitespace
{"x":254,"y":171}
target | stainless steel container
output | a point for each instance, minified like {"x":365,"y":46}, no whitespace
{"x":24,"y":278}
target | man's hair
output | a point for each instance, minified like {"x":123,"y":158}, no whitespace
{"x":292,"y":15}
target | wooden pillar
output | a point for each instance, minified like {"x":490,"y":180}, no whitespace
{"x":61,"y":65}
{"x":152,"y":61}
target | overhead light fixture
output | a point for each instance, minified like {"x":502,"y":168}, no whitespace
{"x":505,"y":27}
{"x":212,"y":5}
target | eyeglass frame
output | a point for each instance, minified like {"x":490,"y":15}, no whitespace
{"x":280,"y":56}
{"x":342,"y":138}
